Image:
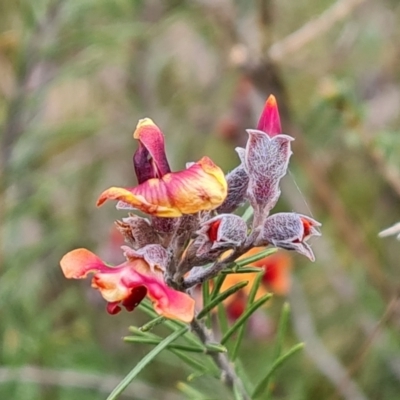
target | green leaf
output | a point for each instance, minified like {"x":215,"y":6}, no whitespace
{"x":255,"y":286}
{"x":197,"y":365}
{"x":150,"y":325}
{"x":261,"y":386}
{"x":206,"y":299}
{"x":280,"y":337}
{"x":194,"y":376}
{"x":205,"y":366}
{"x":244,"y":317}
{"x":145,"y":361}
{"x":191,"y":392}
{"x":221,"y":297}
{"x":244,"y":270}
{"x":215,"y":348}
{"x":222,"y":318}
{"x":206,"y":291}
{"x":255,"y":257}
{"x":282,"y":329}
{"x":147,"y":340}
{"x":148,"y":309}
{"x":219,"y":281}
{"x":252,"y":296}
{"x":208,"y":348}
{"x":137,"y":331}
{"x":170,"y":323}
{"x":242,"y":373}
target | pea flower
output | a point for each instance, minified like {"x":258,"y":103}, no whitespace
{"x":161,"y":193}
{"x":129,"y":283}
{"x":190,"y":221}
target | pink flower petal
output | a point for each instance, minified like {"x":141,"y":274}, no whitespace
{"x":166,"y":301}
{"x":150,"y":160}
{"x":125,"y":285}
{"x":270,"y":121}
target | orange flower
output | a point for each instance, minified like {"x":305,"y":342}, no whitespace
{"x":276,"y":279}
{"x":161,"y":193}
{"x":128,"y":283}
{"x":277,"y":269}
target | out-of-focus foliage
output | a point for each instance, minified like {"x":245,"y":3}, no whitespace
{"x":76,"y":75}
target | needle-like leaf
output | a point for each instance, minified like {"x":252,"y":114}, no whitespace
{"x":145,"y":361}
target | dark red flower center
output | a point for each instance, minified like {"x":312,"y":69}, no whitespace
{"x":134,"y":299}
{"x":307,"y":227}
{"x":130,"y":303}
{"x":213,"y":231}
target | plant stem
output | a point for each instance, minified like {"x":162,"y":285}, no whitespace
{"x":215,"y":269}
{"x":229,"y":376}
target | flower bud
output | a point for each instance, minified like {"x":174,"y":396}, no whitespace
{"x":289,"y":231}
{"x":270,"y":121}
{"x":220,"y":233}
{"x":137,"y":231}
{"x":266,"y":162}
{"x":237,"y":181}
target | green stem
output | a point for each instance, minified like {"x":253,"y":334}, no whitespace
{"x":243,"y":318}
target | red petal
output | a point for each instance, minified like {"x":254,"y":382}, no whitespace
{"x":134,"y":299}
{"x":270,"y":122}
{"x":307,"y":226}
{"x":213,"y":231}
{"x":113,"y":308}
{"x":150,"y":160}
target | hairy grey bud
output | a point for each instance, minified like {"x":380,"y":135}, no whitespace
{"x":289,"y":231}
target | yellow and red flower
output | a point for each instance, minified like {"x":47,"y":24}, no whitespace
{"x":161,"y":193}
{"x":129,"y":283}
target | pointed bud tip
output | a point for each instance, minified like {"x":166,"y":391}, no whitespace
{"x":269,"y":121}
{"x":141,"y":124}
{"x":271,"y":102}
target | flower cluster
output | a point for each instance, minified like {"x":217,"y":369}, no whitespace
{"x":189,"y":220}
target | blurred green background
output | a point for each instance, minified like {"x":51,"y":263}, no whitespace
{"x":76,"y":75}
